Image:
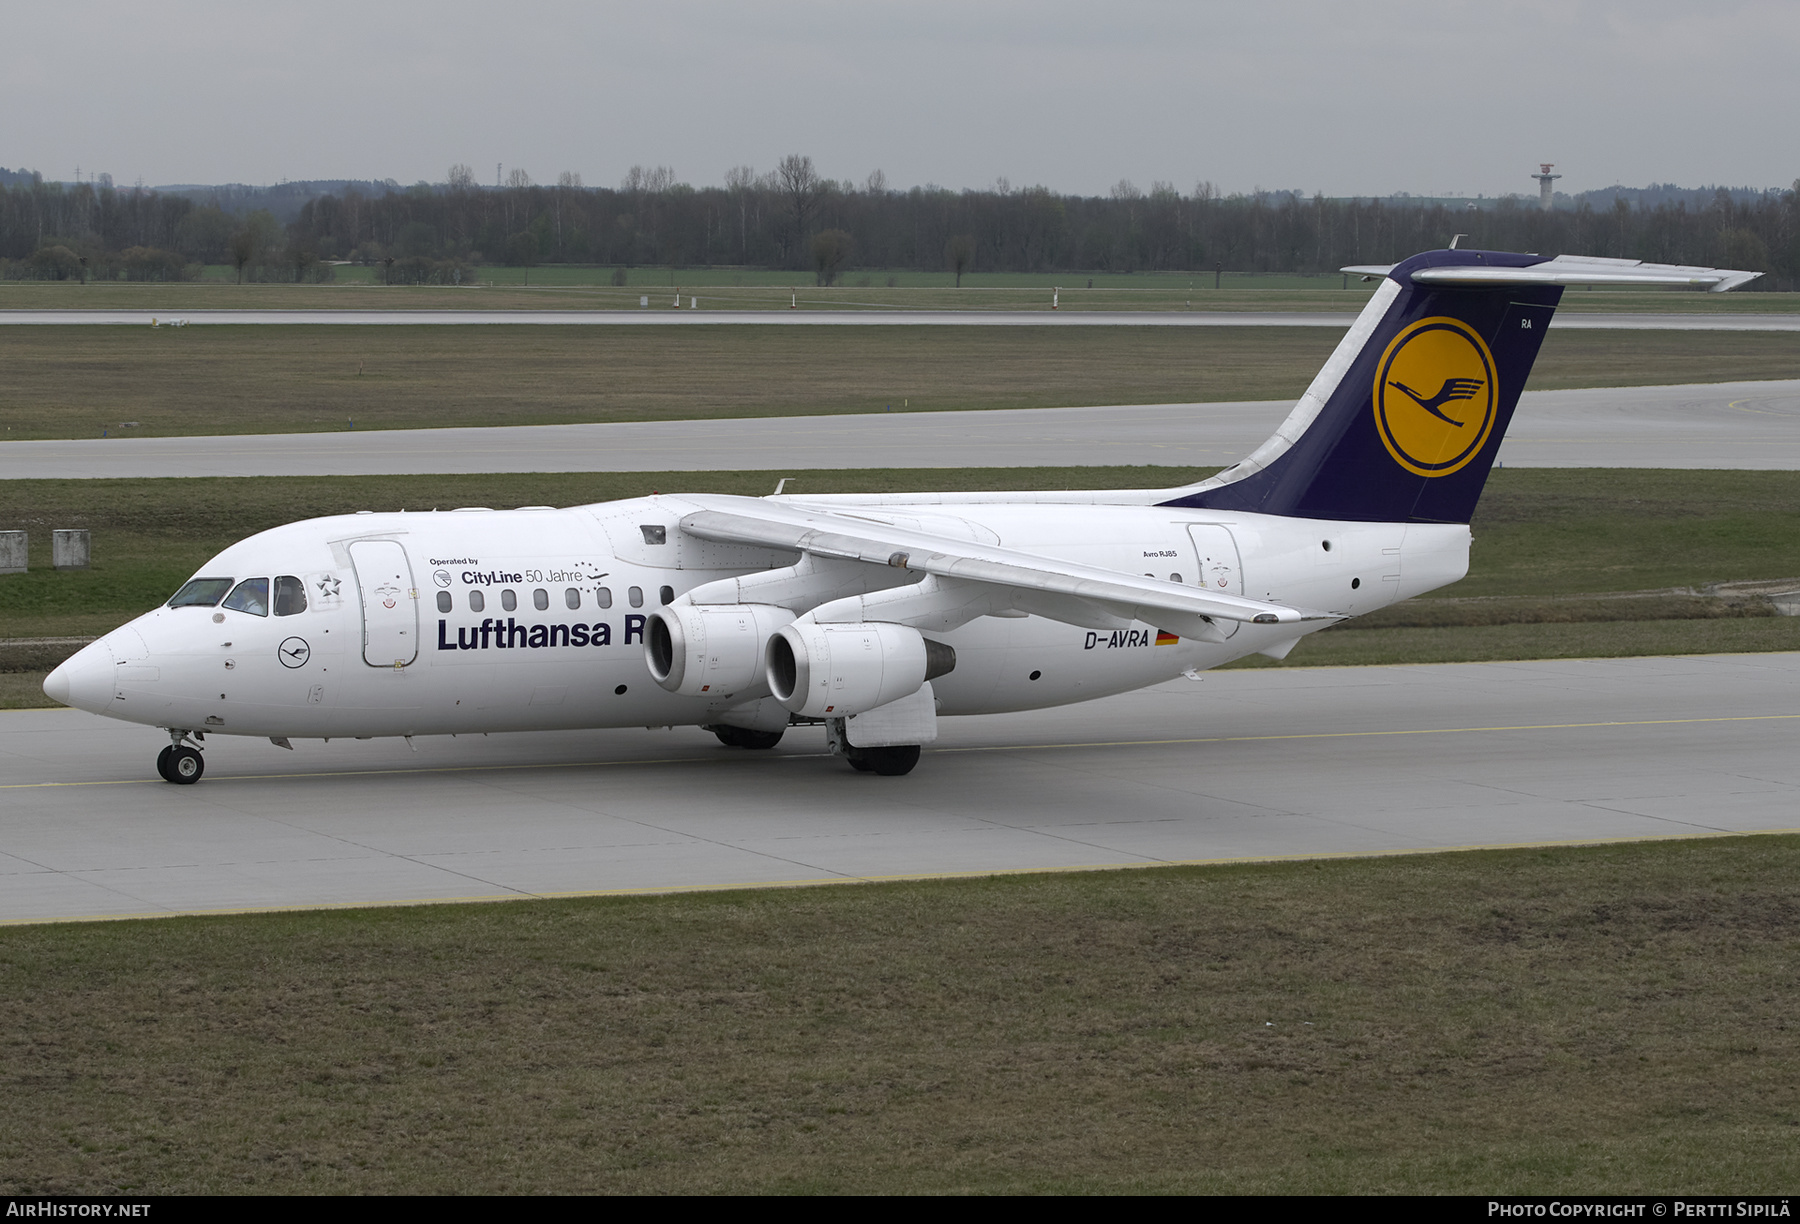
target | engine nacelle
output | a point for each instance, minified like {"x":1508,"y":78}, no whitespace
{"x":711,"y":650}
{"x":836,"y":670}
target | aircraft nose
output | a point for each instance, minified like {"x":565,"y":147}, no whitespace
{"x":85,"y":679}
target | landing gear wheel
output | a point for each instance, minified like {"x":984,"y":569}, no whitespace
{"x":162,"y":763}
{"x":888,"y":762}
{"x":741,"y":737}
{"x":185,"y":765}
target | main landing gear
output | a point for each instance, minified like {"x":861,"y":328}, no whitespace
{"x":180,"y":763}
{"x":742,"y":737}
{"x":889,"y":762}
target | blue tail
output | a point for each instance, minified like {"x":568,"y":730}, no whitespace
{"x":1403,"y":423}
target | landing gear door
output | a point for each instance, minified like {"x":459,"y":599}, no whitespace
{"x":390,"y":603}
{"x":1219,"y":569}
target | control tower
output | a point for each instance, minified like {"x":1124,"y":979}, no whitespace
{"x":1545,"y":178}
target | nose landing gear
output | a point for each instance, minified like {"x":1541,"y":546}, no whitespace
{"x":180,"y":763}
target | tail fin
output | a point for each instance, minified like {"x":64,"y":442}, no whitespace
{"x":1403,"y":422}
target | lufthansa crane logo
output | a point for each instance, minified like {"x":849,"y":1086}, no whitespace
{"x":1434,"y":396}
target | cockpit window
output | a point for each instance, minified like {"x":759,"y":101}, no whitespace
{"x":201,"y":593}
{"x":251,"y":595}
{"x":290,"y":595}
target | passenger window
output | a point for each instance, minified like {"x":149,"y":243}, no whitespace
{"x":477,"y":601}
{"x":636,"y":596}
{"x":201,"y":593}
{"x":443,"y":601}
{"x":540,"y":599}
{"x":251,"y":595}
{"x":603,"y":596}
{"x":509,"y":602}
{"x":1174,"y":577}
{"x":290,"y":596}
{"x":666,"y":595}
{"x":572,"y":597}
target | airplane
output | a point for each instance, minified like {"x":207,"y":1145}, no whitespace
{"x":873,"y":615}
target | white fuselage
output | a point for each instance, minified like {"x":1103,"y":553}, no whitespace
{"x":534,"y":619}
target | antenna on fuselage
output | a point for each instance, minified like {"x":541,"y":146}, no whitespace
{"x":780,"y":485}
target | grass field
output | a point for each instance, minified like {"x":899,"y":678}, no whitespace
{"x":752,"y":289}
{"x":1544,"y":539}
{"x":1550,"y":1021}
{"x":80,"y":381}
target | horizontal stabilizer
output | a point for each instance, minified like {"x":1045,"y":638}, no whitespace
{"x":1572,"y":270}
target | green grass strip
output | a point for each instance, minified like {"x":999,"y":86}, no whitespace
{"x":1549,"y":1020}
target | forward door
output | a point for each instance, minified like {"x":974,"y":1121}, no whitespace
{"x":390,"y":603}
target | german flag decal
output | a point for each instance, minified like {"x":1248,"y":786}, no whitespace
{"x":1164,"y":638}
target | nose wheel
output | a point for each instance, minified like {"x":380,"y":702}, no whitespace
{"x":180,"y":764}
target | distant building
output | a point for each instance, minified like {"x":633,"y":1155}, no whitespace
{"x":1545,"y":178}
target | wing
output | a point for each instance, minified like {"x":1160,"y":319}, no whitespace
{"x":1009,"y":580}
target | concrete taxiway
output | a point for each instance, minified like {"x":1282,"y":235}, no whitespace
{"x":1723,"y":425}
{"x":667,"y":317}
{"x":1244,"y":765}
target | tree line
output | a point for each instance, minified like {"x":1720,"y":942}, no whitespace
{"x":794,"y":218}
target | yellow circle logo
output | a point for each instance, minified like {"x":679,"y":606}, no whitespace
{"x":1434,"y":396}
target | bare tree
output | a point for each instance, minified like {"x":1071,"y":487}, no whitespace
{"x":875,"y":184}
{"x":516,"y":178}
{"x":243,"y":250}
{"x":653,"y":180}
{"x":830,"y":251}
{"x":460,"y":178}
{"x":566,"y":182}
{"x":740,"y":181}
{"x":251,"y":243}
{"x":804,"y":190}
{"x":959,"y":253}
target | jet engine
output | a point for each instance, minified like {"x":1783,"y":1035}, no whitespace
{"x":836,"y":670}
{"x":710,"y":650}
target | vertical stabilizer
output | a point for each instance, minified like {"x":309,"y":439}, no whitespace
{"x":1403,"y":422}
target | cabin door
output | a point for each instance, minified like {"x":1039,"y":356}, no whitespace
{"x":390,"y":603}
{"x":1219,"y":569}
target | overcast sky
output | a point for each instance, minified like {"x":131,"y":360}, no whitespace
{"x":1352,"y":97}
